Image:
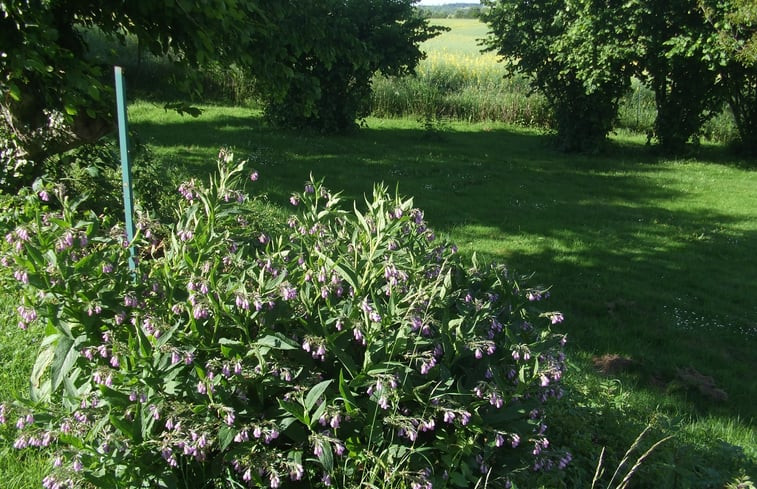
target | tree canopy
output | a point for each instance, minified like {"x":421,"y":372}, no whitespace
{"x":311,"y":60}
{"x":695,"y":55}
{"x":338,"y":48}
{"x":54,"y":97}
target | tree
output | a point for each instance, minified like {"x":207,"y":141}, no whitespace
{"x":54,"y":98}
{"x":680,"y":64}
{"x":735,"y":26}
{"x":338,"y":46}
{"x":575,"y":53}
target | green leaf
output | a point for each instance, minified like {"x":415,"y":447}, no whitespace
{"x":44,"y":359}
{"x":327,"y":457}
{"x":65,"y":357}
{"x":225,"y":436}
{"x":294,"y":409}
{"x":349,"y":400}
{"x":458,"y":479}
{"x":14,"y":92}
{"x":346,"y":274}
{"x":316,"y":416}
{"x":127,"y":428}
{"x":315,"y":393}
{"x":277,"y":342}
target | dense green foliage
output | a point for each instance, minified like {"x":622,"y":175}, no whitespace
{"x":55,"y":97}
{"x":581,"y":54}
{"x":338,"y":48}
{"x":735,"y":24}
{"x":574,"y":54}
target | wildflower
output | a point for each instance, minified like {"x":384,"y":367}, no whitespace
{"x":514,"y":440}
{"x":288,"y":292}
{"x":274,"y":478}
{"x":309,"y":189}
{"x":564,"y":461}
{"x":187,"y":190}
{"x":383,"y":402}
{"x":21,"y":276}
{"x":464,"y":418}
{"x":297,"y":472}
{"x":294,"y":200}
{"x":339,"y":449}
{"x":200,"y":312}
{"x":495,"y":400}
{"x":242,"y":302}
{"x":358,"y":335}
{"x":449,"y":416}
{"x":130,"y":300}
{"x":44,"y":196}
{"x":254,"y":176}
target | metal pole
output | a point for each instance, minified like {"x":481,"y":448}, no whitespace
{"x":123,"y":137}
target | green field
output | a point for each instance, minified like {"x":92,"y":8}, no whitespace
{"x":462,"y":38}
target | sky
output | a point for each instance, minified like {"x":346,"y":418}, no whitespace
{"x":442,"y":2}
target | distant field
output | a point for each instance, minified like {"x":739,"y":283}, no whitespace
{"x":461,"y":39}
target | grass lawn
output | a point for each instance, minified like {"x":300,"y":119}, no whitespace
{"x":650,"y":259}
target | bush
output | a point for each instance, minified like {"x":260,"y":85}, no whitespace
{"x":354,"y":350}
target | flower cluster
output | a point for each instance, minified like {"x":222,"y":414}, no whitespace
{"x":354,"y":347}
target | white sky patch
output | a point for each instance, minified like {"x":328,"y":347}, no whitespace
{"x":444,"y":2}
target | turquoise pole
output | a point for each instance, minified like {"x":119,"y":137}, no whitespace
{"x":123,"y":137}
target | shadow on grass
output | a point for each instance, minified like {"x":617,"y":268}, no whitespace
{"x":636,"y":272}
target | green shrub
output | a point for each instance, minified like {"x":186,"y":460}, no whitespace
{"x":353,"y":350}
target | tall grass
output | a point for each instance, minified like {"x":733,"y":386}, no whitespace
{"x":466,"y":87}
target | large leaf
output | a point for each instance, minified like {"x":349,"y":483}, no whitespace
{"x":294,"y":409}
{"x":315,"y":393}
{"x":40,"y":389}
{"x":327,"y":457}
{"x":225,"y":436}
{"x":277,"y":342}
{"x":64,"y":359}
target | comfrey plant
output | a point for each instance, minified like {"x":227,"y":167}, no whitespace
{"x":353,"y":351}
